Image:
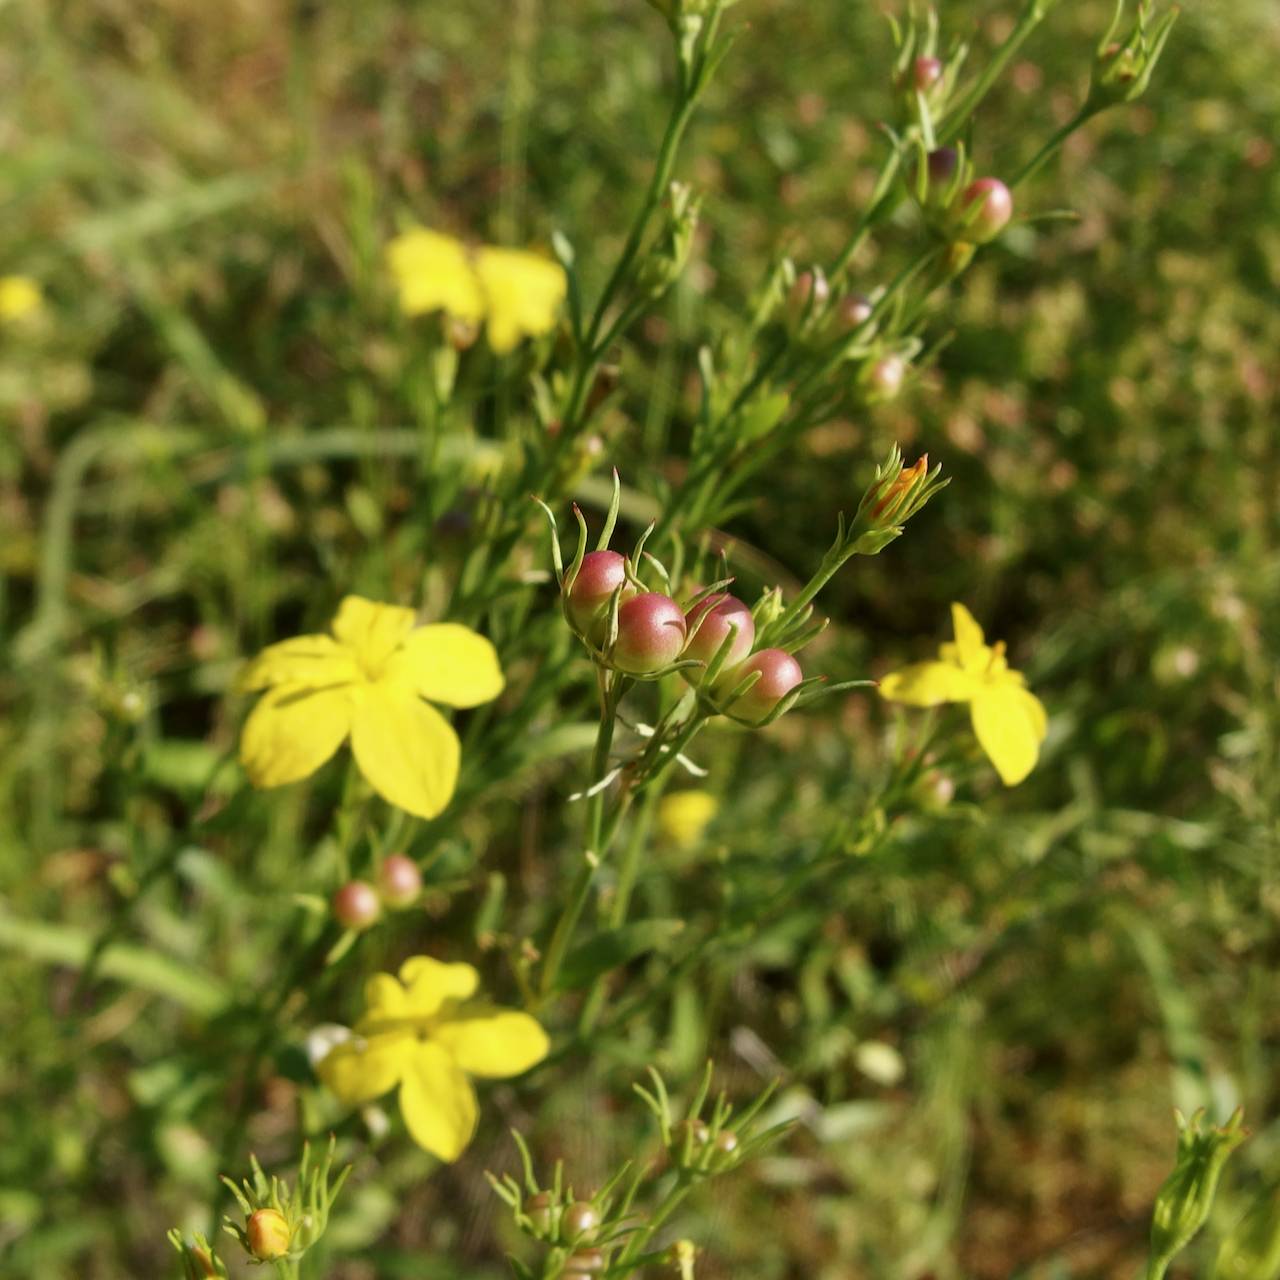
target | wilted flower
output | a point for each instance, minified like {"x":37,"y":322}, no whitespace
{"x":367,"y":681}
{"x":1008,"y":719}
{"x":515,"y":293}
{"x":420,"y":1033}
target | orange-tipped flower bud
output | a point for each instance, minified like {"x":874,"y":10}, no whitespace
{"x":651,"y":632}
{"x":268,"y":1235}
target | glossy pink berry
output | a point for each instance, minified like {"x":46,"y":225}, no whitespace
{"x":714,"y":619}
{"x":651,"y":632}
{"x":600,"y":574}
{"x":356,"y":905}
{"x":779,"y":674}
{"x":579,"y":1220}
{"x":926,"y":73}
{"x":983,"y":210}
{"x":399,"y":881}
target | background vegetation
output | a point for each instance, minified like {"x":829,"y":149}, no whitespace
{"x":209,"y":435}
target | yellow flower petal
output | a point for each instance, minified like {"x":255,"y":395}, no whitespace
{"x":313,"y":661}
{"x":385,"y":1002}
{"x":365,"y":1067}
{"x":970,"y":648}
{"x":291,"y":732}
{"x":431,"y":983}
{"x":406,"y":749}
{"x":20,"y":296}
{"x":683,"y":816}
{"x":522,"y":292}
{"x":448,"y":663}
{"x":371,"y":631}
{"x":927,"y":684}
{"x":493,"y":1042}
{"x":434,"y":273}
{"x":1010,"y":723}
{"x":437,"y":1101}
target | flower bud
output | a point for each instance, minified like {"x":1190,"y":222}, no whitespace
{"x":268,"y":1235}
{"x":585,"y":1262}
{"x":651,"y":632}
{"x":579,"y":1221}
{"x":925,"y":73}
{"x":538,"y":1209}
{"x":983,"y":210}
{"x":854,"y":311}
{"x":356,"y":905}
{"x":808,"y":295}
{"x":779,"y":674}
{"x":1186,"y":1196}
{"x":726,"y":1141}
{"x":711,"y":622}
{"x":884,"y":377}
{"x":399,"y":881}
{"x":600,"y":574}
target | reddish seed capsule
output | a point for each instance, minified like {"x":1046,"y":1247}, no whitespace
{"x":538,"y":1207}
{"x":399,"y":882}
{"x":779,"y":674}
{"x":651,"y":632}
{"x":983,"y":210}
{"x":886,"y":375}
{"x":719,"y":615}
{"x":855,"y":310}
{"x":600,"y":574}
{"x":926,"y":73}
{"x":580,"y":1220}
{"x":356,"y":905}
{"x":586,"y":1262}
{"x":726,"y":1141}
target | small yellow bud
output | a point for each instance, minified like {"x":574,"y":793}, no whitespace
{"x":268,"y":1235}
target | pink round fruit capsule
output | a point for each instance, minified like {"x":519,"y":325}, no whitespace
{"x":651,"y":632}
{"x":600,"y":574}
{"x":779,"y":674}
{"x":585,"y":1262}
{"x":886,"y":376}
{"x":926,"y":73}
{"x":399,"y":881}
{"x":854,"y":311}
{"x":710,"y":623}
{"x":579,"y":1221}
{"x":356,"y":905}
{"x":984,"y":210}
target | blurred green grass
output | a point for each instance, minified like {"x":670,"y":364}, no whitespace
{"x":205,"y":445}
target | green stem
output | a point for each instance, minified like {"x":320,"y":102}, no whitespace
{"x":674,"y":1198}
{"x":610,"y":695}
{"x":1052,"y":146}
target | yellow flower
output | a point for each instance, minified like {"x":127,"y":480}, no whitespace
{"x":517,"y":292}
{"x":420,"y":1034}
{"x":19,"y":297}
{"x":1007,"y":717}
{"x":683,"y":816}
{"x":367,"y":681}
